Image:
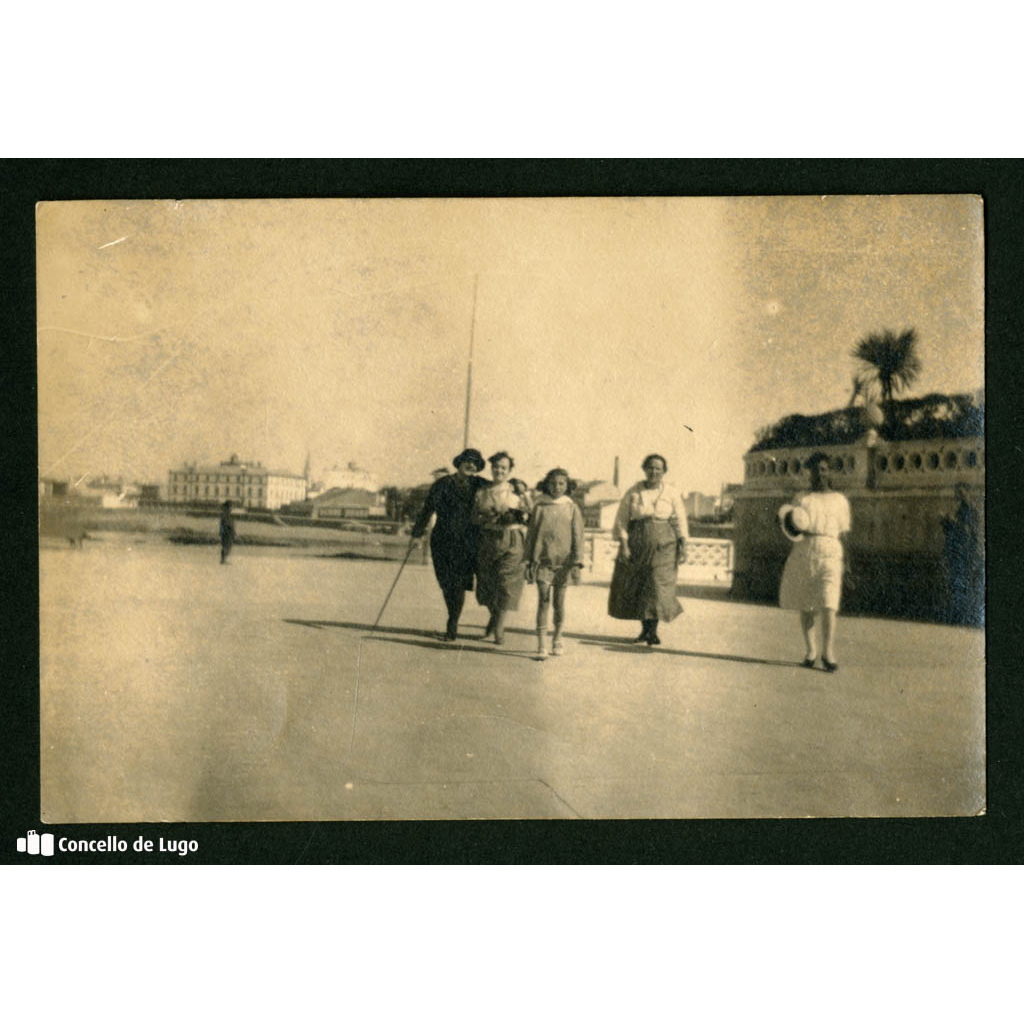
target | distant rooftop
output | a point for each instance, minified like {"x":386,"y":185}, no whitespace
{"x":236,"y":465}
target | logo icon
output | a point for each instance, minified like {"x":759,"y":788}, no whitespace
{"x":35,"y":844}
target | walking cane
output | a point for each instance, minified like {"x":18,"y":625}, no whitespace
{"x":412,"y":541}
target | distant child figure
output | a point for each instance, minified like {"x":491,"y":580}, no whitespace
{"x":553,"y":553}
{"x":227,"y":531}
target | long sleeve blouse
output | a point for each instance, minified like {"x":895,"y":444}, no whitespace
{"x":640,"y":502}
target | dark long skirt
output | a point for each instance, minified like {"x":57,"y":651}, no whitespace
{"x":454,"y":559}
{"x":499,"y":569}
{"x":645,"y":586}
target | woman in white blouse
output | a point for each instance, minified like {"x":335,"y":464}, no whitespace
{"x":812,"y":579}
{"x":651,"y":530}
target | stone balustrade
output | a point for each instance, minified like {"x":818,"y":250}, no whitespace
{"x":707,"y":559}
{"x":903,"y":495}
{"x":871,"y":464}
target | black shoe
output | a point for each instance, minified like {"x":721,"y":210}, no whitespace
{"x":653,"y":640}
{"x":809,"y":662}
{"x":830,"y":666}
{"x":643,"y":637}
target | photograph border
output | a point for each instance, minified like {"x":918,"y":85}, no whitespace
{"x":992,"y":838}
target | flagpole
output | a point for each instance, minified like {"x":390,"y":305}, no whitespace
{"x":469,"y":368}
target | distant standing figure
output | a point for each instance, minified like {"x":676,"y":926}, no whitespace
{"x":812,"y":579}
{"x":227,"y":531}
{"x":964,"y":561}
{"x":425,"y":546}
{"x":501,"y":513}
{"x":453,"y":540}
{"x":553,"y":553}
{"x":651,"y":529}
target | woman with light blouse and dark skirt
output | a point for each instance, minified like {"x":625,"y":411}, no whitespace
{"x":454,"y":538}
{"x":651,"y":529}
{"x":501,"y":512}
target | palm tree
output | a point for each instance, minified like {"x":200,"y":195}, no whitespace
{"x":891,"y":361}
{"x":861,"y":382}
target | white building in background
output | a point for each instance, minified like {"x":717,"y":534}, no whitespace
{"x":247,"y":484}
{"x":349,"y":478}
{"x":700,"y":506}
{"x":600,"y":504}
{"x":348,"y":503}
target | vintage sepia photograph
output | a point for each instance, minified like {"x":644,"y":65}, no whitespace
{"x":511,"y":508}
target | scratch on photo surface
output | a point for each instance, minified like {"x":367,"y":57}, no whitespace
{"x":514,"y":721}
{"x":99,"y":426}
{"x":102,"y":337}
{"x":561,"y":799}
{"x":355,"y":696}
{"x":114,"y":242}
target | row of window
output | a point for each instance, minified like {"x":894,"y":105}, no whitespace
{"x":930,"y":461}
{"x":212,"y":478}
{"x":792,"y":467}
{"x":188,"y":488}
{"x":250,"y":489}
{"x":847,"y":464}
{"x":203,"y":478}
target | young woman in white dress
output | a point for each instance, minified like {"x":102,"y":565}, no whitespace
{"x":812,"y":579}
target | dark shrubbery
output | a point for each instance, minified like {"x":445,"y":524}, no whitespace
{"x":911,"y":419}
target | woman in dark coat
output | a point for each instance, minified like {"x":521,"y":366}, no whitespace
{"x":454,"y":538}
{"x":651,"y":529}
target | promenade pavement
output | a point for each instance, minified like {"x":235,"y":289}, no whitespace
{"x":174,"y":688}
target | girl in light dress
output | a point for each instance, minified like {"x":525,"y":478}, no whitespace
{"x":553,"y":553}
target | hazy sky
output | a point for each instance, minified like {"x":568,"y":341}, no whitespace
{"x":192,"y":330}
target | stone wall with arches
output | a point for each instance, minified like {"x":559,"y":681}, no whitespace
{"x":882,"y":466}
{"x":903,"y":496}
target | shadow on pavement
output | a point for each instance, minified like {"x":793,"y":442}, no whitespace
{"x":366,"y":627}
{"x":603,"y":642}
{"x":458,"y":645}
{"x":431,"y":639}
{"x":391,"y":634}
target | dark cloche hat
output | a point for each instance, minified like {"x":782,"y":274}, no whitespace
{"x":470,"y":455}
